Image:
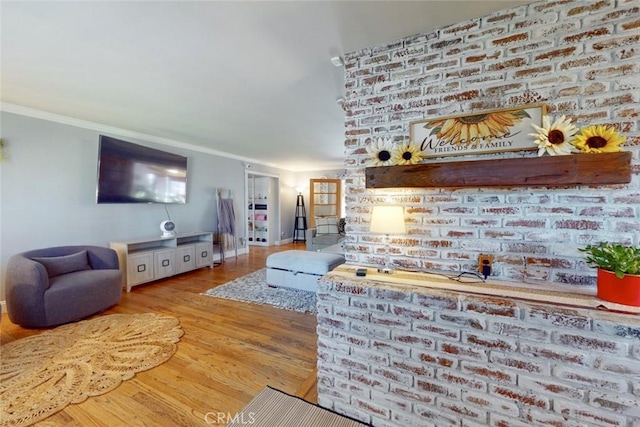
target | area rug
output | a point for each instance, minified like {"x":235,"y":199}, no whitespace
{"x":253,"y":288}
{"x":42,"y":374}
{"x":272,"y":407}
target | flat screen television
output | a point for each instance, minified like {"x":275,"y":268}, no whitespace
{"x":132,"y":173}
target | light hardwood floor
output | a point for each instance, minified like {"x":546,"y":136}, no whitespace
{"x":229,"y":352}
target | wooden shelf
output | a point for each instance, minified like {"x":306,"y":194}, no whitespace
{"x":576,"y":169}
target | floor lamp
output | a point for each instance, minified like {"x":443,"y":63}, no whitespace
{"x":387,"y":220}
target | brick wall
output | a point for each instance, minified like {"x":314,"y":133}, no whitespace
{"x":581,"y":59}
{"x":393,"y":355}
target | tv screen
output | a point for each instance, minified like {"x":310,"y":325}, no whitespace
{"x":132,"y":173}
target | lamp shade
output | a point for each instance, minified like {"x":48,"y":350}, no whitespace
{"x":388,"y":220}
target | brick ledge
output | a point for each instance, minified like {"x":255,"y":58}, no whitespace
{"x":557,"y":294}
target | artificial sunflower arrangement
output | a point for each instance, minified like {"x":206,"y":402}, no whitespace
{"x":381,"y":152}
{"x":561,"y":138}
{"x":407,"y":154}
{"x":599,"y":139}
{"x":554,"y":138}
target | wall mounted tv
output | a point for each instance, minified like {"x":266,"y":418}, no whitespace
{"x":132,"y":173}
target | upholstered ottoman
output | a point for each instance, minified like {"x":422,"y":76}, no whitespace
{"x":300,"y":269}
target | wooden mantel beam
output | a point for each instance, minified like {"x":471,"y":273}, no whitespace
{"x":577,"y":169}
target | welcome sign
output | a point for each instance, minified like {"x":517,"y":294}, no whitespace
{"x":483,"y":132}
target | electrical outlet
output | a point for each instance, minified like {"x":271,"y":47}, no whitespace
{"x":484,"y":261}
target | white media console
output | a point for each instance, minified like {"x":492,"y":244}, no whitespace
{"x":145,"y":260}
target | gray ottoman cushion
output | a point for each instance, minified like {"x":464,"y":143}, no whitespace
{"x":300,"y":269}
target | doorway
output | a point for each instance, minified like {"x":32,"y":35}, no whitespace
{"x":262,"y":209}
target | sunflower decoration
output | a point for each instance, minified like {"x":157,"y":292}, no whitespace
{"x":471,"y":130}
{"x":381,"y":152}
{"x":406,"y":154}
{"x":599,"y":139}
{"x":554,"y":138}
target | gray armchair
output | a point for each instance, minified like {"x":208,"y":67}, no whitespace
{"x":53,"y":286}
{"x":316,"y":242}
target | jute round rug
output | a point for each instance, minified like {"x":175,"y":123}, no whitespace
{"x":41,"y":374}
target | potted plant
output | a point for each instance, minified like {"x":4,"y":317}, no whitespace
{"x":618,"y":271}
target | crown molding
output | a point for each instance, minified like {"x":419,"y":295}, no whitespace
{"x":112,"y":130}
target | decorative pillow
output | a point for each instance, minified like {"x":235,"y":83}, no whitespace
{"x":57,"y":265}
{"x":326,"y":225}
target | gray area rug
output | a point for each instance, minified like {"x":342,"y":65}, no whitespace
{"x":253,"y":288}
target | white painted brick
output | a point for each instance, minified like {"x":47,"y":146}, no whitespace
{"x":392,"y":375}
{"x":435,"y":331}
{"x":434,"y":415}
{"x":372,"y":383}
{"x":546,"y":353}
{"x":391,"y":348}
{"x":332,"y":370}
{"x":371,"y":331}
{"x":626,"y":404}
{"x":408,"y":421}
{"x":394,"y":403}
{"x":370,"y":407}
{"x":351,"y":364}
{"x":519,"y":330}
{"x":469,"y":423}
{"x":348,"y":410}
{"x":465,"y":321}
{"x":540,"y":418}
{"x":491,"y":373}
{"x":482,"y":340}
{"x":591,"y":343}
{"x":593,"y":416}
{"x":376,"y":306}
{"x":551,"y":387}
{"x":459,"y":409}
{"x":325,"y":344}
{"x":325,"y":356}
{"x":352,"y":389}
{"x":350,"y":314}
{"x":390,"y":321}
{"x":328,"y":396}
{"x":592,"y":379}
{"x":534,"y":361}
{"x":458,"y":379}
{"x":492,"y":404}
{"x":499,"y":420}
{"x":370,"y":357}
{"x":438,"y":388}
{"x":617,"y":365}
{"x":348,"y":339}
{"x":413,"y":340}
{"x":520,"y":396}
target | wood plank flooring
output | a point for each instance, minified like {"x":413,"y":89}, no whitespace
{"x":229,"y":352}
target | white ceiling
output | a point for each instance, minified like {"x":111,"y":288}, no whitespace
{"x":251,"y":79}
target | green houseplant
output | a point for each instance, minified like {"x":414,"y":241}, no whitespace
{"x":618,"y":271}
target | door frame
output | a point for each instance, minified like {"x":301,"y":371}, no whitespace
{"x":247,"y":174}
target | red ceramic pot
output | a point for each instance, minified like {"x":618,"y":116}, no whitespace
{"x":622,"y":291}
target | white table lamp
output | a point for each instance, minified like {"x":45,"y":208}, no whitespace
{"x":387,"y":220}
